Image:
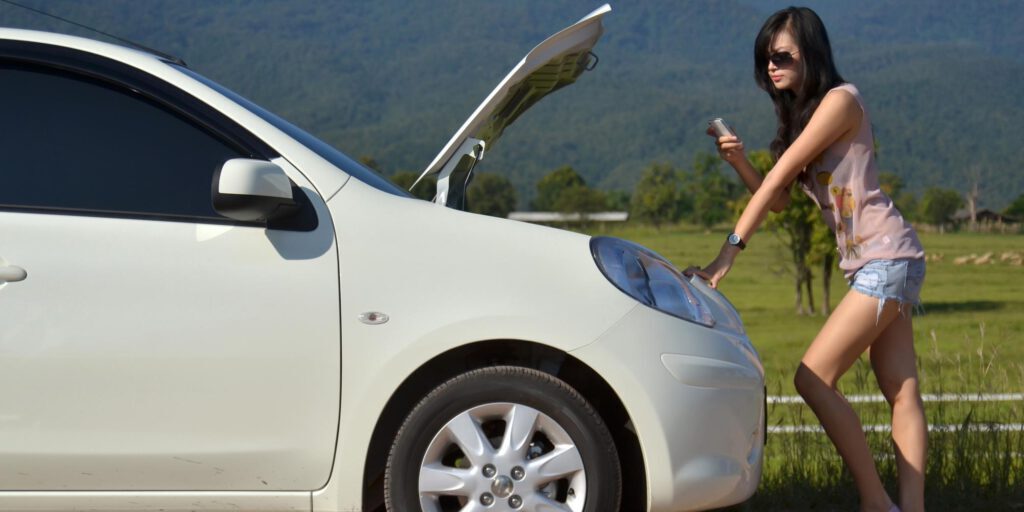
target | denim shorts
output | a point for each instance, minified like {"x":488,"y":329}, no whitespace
{"x":899,"y":280}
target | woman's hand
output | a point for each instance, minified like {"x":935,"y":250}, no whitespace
{"x":730,"y":148}
{"x":715,"y":271}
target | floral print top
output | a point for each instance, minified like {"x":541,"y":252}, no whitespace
{"x":843,"y":182}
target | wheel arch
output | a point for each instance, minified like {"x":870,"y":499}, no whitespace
{"x":482,"y":354}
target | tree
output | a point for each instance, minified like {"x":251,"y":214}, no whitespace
{"x":907,"y":204}
{"x":656,"y":196}
{"x":806,"y":239}
{"x":370,"y":162}
{"x":938,"y":205}
{"x":711,"y":191}
{"x":551,"y":186}
{"x":1016,"y":208}
{"x":823,"y":252}
{"x":795,"y":225}
{"x":491,"y":194}
{"x":618,"y":200}
{"x":905,"y":201}
{"x":580,"y":199}
{"x":425,"y":190}
{"x":890,"y":183}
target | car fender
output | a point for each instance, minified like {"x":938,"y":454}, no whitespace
{"x":446,"y":278}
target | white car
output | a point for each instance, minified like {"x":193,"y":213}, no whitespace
{"x":204,"y":308}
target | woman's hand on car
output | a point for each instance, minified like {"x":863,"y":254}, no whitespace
{"x":730,"y":147}
{"x":715,"y":271}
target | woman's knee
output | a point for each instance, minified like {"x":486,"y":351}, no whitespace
{"x":807,"y":381}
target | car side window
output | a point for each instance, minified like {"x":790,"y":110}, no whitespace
{"x":73,"y":143}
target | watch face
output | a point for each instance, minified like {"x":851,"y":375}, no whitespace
{"x":734,"y":239}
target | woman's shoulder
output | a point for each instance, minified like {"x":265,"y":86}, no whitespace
{"x":851,"y":97}
{"x":847,"y":87}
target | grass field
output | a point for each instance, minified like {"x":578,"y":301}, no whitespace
{"x":969,"y":309}
{"x":970,"y":339}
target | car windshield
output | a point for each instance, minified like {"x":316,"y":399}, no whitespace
{"x":326,"y":151}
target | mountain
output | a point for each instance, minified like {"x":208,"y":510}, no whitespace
{"x":394,"y":79}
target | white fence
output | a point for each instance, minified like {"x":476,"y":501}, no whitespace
{"x":945,"y":397}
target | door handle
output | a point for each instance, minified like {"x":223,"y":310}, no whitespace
{"x":12,"y":274}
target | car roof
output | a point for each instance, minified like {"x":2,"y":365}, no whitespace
{"x":135,"y":57}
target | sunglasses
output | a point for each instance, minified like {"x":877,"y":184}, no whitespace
{"x":782,"y":58}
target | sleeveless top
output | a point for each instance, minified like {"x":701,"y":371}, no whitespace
{"x":843,"y":182}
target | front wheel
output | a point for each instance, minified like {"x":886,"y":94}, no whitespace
{"x":503,"y":438}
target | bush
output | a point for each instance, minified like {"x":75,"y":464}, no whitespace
{"x":491,"y":194}
{"x":938,"y":205}
{"x":656,"y":198}
{"x":550,"y":187}
{"x":425,"y":190}
{"x":711,"y":190}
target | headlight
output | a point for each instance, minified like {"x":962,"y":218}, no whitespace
{"x":647,"y":277}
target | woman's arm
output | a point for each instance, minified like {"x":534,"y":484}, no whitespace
{"x":838,"y":115}
{"x":730,"y":148}
{"x":753,"y":180}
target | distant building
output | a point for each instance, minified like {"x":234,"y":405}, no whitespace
{"x":983,"y":216}
{"x":568,"y":218}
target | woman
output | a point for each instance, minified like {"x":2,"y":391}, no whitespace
{"x":824,"y":143}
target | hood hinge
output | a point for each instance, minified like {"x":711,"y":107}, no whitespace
{"x":454,"y":177}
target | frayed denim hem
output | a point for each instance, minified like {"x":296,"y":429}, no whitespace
{"x":916,"y":307}
{"x":885,"y":280}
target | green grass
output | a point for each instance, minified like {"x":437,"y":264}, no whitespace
{"x":969,"y":340}
{"x":969,"y":309}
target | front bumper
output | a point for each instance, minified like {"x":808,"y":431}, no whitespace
{"x":696,"y":399}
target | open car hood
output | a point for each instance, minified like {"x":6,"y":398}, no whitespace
{"x":553,"y":64}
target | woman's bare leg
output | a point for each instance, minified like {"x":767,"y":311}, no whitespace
{"x":853,"y":326}
{"x":895,"y":365}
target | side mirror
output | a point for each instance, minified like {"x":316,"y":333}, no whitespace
{"x":252,"y":191}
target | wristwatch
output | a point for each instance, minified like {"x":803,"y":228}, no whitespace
{"x":734,"y":239}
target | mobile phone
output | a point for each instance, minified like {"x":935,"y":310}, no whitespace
{"x":721,"y":129}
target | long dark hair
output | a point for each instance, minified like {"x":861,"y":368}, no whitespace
{"x":794,"y":108}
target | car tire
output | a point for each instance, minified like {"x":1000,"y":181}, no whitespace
{"x":503,"y":438}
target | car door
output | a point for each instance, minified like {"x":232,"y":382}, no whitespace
{"x":146,"y":343}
